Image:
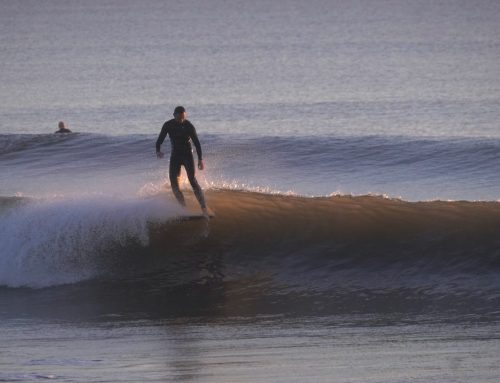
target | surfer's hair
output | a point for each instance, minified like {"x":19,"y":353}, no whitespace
{"x":179,"y":110}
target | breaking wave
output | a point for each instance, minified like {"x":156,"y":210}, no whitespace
{"x":312,"y":243}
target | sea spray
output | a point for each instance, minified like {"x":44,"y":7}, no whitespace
{"x":55,"y":241}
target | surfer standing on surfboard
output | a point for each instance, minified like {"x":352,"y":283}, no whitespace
{"x":181,"y":132}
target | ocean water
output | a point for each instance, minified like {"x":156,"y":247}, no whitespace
{"x":352,"y":153}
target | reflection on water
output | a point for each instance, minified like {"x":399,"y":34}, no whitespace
{"x":354,"y":348}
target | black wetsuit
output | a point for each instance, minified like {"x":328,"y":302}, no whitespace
{"x":63,"y":130}
{"x":181,"y":134}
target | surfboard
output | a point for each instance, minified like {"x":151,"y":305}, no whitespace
{"x":196,"y":217}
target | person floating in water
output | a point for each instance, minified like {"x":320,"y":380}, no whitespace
{"x":62,"y":128}
{"x":181,"y":133}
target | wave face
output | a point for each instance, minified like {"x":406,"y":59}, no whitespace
{"x":309,"y":244}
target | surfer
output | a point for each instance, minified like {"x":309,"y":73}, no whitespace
{"x":181,"y":133}
{"x":62,"y":128}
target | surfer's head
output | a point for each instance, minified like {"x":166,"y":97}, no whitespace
{"x":179,"y":110}
{"x":61,"y":125}
{"x":180,"y":113}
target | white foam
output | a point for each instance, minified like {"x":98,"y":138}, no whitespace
{"x":61,"y":240}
